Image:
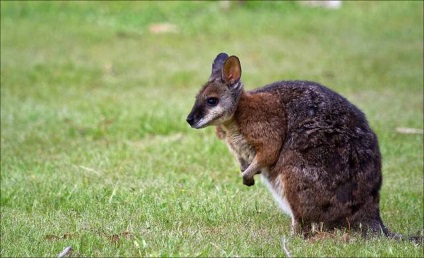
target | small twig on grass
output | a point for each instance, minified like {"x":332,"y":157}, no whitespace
{"x":65,"y":251}
{"x":285,"y":248}
{"x":90,"y":170}
{"x":405,"y":130}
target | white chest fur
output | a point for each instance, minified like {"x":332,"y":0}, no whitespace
{"x":277,"y":189}
{"x":238,"y":144}
{"x":240,"y":147}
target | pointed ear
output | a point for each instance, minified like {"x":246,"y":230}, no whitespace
{"x":231,"y":72}
{"x":217,"y":65}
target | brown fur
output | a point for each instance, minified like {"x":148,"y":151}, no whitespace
{"x":313,"y":147}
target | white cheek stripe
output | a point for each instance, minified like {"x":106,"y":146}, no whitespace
{"x":211,"y":116}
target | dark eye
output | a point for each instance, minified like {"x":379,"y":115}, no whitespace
{"x":212,"y":101}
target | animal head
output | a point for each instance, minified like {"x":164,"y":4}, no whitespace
{"x":217,"y":100}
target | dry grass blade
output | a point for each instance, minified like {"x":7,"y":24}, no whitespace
{"x":65,"y":251}
{"x":286,"y":251}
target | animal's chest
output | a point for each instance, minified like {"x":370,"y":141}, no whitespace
{"x":240,"y":147}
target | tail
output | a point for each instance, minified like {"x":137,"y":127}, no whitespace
{"x":418,"y":239}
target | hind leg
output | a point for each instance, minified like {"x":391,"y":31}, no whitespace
{"x":302,"y":228}
{"x":373,"y":227}
{"x":296,"y":229}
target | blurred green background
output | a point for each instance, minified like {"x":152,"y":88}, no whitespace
{"x":96,"y":153}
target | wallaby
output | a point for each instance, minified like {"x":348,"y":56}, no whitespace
{"x":313,"y":148}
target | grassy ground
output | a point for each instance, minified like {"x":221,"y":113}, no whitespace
{"x":96,"y":154}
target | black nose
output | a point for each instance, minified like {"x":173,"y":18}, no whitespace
{"x":190,"y":120}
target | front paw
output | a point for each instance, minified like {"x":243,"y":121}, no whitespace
{"x":248,"y":181}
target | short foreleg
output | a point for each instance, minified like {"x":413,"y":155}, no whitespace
{"x":248,"y":174}
{"x":243,"y":164}
{"x":264,"y":158}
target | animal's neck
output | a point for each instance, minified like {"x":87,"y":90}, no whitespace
{"x":231,"y":126}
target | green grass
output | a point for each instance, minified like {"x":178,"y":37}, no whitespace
{"x":96,"y":154}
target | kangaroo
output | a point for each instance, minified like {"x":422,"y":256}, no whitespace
{"x":314,"y":149}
